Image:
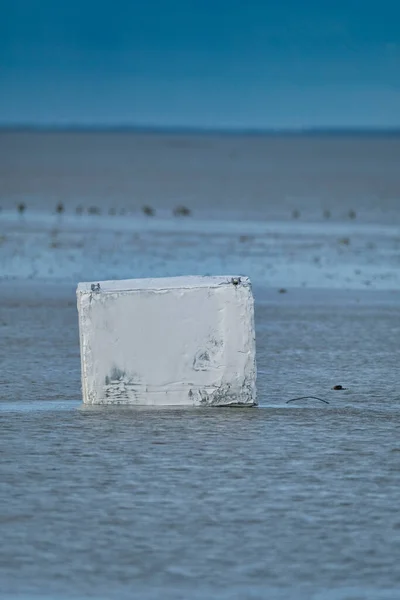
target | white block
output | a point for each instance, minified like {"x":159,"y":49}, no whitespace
{"x":172,"y":341}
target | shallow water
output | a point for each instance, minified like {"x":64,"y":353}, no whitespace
{"x":284,"y":500}
{"x":226,"y":503}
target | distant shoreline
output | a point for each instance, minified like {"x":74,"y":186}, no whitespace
{"x":198,"y":131}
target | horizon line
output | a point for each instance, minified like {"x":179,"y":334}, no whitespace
{"x":196,"y":130}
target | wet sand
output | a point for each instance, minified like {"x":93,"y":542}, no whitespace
{"x":318,"y":177}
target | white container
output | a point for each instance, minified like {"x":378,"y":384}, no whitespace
{"x":173,"y":341}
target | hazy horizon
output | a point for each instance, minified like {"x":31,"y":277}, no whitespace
{"x":193,"y":130}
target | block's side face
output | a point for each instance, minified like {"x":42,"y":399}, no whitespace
{"x":103,"y":382}
{"x":88,"y":369}
{"x":176,"y":346}
{"x":238,"y":382}
{"x":242,"y":337}
{"x":78,"y":302}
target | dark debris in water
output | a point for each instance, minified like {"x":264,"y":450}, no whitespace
{"x":307,"y":398}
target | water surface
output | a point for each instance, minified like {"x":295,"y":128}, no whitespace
{"x":285,"y":500}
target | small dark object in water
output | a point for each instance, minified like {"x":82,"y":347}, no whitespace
{"x":148,"y":210}
{"x":112,"y":211}
{"x":338,"y":387}
{"x":244,"y":238}
{"x":21,"y":208}
{"x":182,"y":211}
{"x":79,"y":210}
{"x":60,"y":208}
{"x":352,"y":214}
{"x":93,"y":210}
{"x":327,"y":214}
{"x":306,"y":398}
{"x":295,"y":213}
{"x":282,"y":291}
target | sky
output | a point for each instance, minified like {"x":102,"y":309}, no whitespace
{"x":252,"y":64}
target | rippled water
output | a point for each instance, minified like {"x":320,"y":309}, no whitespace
{"x":294,"y":500}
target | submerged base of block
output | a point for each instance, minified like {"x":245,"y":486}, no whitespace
{"x":121,"y":393}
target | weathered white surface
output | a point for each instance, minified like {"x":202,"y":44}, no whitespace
{"x":170,"y":341}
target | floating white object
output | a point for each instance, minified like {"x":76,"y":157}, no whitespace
{"x":171,"y":341}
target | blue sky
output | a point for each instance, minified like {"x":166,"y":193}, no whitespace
{"x":201,"y":63}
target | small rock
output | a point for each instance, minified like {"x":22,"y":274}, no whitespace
{"x":182,"y":211}
{"x":344,"y":241}
{"x":148,"y":211}
{"x":93,"y":210}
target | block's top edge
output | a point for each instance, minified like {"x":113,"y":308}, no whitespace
{"x":161,"y":283}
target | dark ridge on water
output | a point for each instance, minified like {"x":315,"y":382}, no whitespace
{"x":182,"y":130}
